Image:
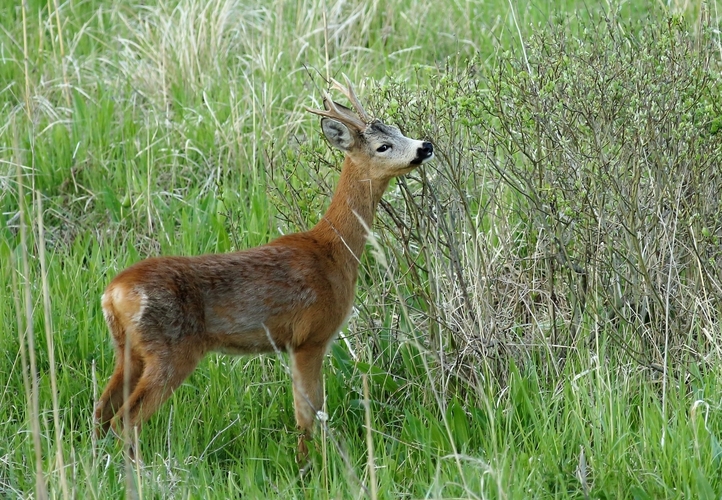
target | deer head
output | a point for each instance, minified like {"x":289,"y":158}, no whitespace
{"x":366,"y":141}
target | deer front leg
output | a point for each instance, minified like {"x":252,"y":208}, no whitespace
{"x":307,"y":391}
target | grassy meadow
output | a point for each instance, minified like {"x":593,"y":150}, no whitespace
{"x":538,"y":311}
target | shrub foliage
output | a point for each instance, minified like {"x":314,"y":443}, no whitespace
{"x":576,"y":192}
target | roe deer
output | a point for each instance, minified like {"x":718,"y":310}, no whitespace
{"x":294,"y":293}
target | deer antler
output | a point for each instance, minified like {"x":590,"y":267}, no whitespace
{"x":351,"y":96}
{"x":333,"y":110}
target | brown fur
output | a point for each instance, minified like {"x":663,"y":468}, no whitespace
{"x":292,"y":294}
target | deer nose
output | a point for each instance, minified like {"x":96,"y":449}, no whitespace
{"x":426,"y":150}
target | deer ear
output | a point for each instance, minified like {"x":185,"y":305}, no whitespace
{"x":337,"y":134}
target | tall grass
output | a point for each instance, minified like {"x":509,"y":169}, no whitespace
{"x":131,"y":130}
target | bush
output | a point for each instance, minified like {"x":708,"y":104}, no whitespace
{"x":575,"y":192}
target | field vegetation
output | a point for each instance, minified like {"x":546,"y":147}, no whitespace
{"x":539,"y":309}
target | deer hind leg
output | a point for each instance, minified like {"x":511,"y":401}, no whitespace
{"x":112,"y":398}
{"x":125,"y":355}
{"x":165,"y":368}
{"x":307,"y":391}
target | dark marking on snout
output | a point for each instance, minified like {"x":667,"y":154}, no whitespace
{"x":425,"y":152}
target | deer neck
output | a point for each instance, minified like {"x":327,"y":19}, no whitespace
{"x":351,"y":213}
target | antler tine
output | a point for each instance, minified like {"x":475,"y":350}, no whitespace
{"x":337,"y":114}
{"x":349,"y":92}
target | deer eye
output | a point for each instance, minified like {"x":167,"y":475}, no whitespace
{"x":383,"y":148}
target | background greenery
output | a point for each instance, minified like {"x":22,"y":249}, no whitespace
{"x":538,"y":311}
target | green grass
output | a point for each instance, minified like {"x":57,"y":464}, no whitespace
{"x":179,"y":128}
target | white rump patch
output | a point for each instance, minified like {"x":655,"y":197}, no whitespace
{"x":106,"y":309}
{"x":143,"y":304}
